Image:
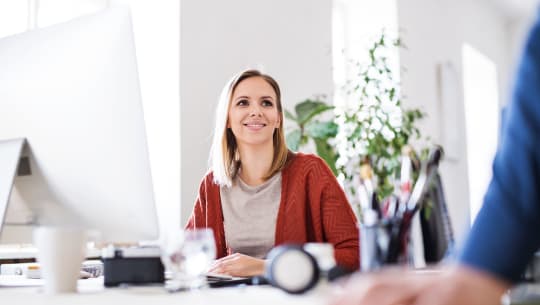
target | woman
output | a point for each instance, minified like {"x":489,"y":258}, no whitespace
{"x":258,"y":194}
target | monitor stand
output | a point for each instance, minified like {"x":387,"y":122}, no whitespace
{"x":10,"y":166}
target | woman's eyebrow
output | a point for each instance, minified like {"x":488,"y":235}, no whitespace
{"x":242,"y":96}
{"x":267,"y":97}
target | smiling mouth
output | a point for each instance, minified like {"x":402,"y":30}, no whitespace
{"x":255,"y":125}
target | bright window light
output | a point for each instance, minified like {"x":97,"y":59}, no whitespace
{"x":482,"y":121}
{"x":55,"y":11}
{"x":355,"y":25}
{"x":13,"y":17}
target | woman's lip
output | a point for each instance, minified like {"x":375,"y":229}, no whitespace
{"x":255,"y":127}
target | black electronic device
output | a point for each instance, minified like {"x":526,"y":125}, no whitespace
{"x":132,"y":266}
{"x":217,"y":282}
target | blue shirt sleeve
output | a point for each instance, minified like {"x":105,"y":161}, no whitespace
{"x":506,"y":232}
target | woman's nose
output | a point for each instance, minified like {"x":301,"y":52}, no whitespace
{"x":255,"y":110}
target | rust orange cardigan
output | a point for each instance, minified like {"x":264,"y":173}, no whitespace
{"x":313,"y":208}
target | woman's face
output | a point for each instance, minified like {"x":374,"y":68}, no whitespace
{"x":253,"y":113}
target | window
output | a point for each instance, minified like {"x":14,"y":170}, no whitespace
{"x":50,"y":12}
{"x":13,"y":17}
{"x":481,"y":121}
{"x":355,"y":24}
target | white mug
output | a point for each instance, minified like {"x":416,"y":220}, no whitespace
{"x":61,"y":251}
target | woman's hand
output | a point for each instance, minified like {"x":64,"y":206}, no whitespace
{"x":238,"y":265}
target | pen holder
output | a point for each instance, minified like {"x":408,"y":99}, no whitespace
{"x":383,"y":242}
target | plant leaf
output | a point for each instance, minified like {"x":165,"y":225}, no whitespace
{"x":321,"y":130}
{"x":290,"y":116}
{"x":325,"y":151}
{"x":307,"y":109}
{"x":293,"y":139}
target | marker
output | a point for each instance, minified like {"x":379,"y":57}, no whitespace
{"x":366,"y":175}
{"x":427,"y":172}
{"x":405,"y":178}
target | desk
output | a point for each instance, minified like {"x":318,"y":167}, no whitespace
{"x":92,"y":292}
{"x":30,"y":253}
{"x":17,"y":253}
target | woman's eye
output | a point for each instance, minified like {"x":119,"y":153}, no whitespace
{"x":242,"y":103}
{"x":267,"y":103}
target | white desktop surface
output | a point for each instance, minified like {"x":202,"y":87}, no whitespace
{"x":30,"y":252}
{"x":18,"y":252}
{"x":92,"y":292}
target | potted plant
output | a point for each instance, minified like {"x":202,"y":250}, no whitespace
{"x":372,"y":128}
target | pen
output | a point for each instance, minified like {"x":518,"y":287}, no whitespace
{"x":366,"y":175}
{"x":405,"y":175}
{"x":375,"y":204}
{"x":363,"y":197}
{"x":390,"y":206}
{"x":427,"y":172}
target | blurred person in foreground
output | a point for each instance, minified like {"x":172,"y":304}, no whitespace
{"x":506,"y":232}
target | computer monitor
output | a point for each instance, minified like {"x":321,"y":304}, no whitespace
{"x":72,"y":91}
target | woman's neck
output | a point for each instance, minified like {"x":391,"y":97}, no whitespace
{"x":256,"y":161}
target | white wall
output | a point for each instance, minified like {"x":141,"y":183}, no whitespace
{"x":434,"y":32}
{"x":518,"y":28}
{"x":290,"y":40}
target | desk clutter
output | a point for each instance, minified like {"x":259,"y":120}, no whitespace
{"x":385,"y":226}
{"x":89,"y":269}
{"x":294,"y":269}
{"x":291,"y":268}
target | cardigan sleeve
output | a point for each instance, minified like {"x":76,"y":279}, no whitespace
{"x":339,"y":222}
{"x":207,"y":213}
{"x":198,"y":215}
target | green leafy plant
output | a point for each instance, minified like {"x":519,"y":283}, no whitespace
{"x":369,"y":127}
{"x":373,"y":126}
{"x":309,"y":126}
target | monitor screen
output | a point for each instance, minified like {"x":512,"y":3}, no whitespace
{"x":72,"y":91}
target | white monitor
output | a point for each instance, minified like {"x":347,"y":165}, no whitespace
{"x":72,"y":91}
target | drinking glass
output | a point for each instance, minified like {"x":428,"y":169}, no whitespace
{"x":188,"y":256}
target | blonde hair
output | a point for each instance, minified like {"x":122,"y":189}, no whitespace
{"x":224,"y":158}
